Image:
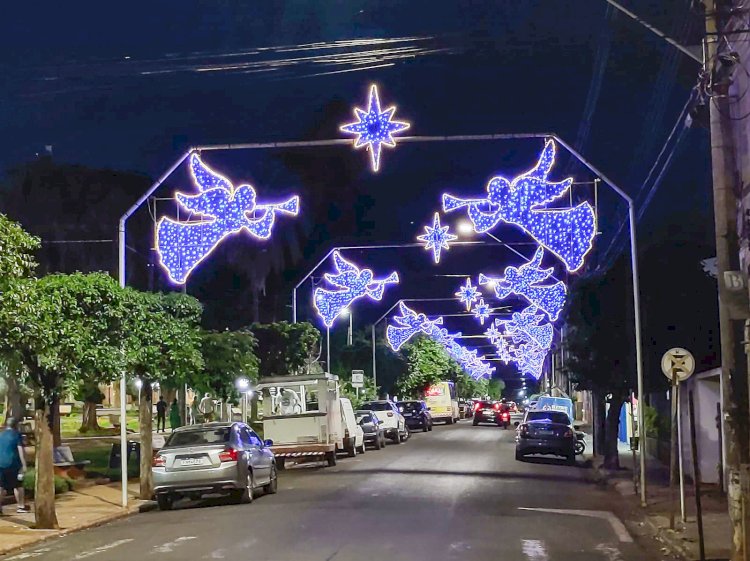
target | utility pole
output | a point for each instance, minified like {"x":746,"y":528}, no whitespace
{"x":725,"y":187}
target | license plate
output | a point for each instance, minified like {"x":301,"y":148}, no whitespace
{"x":407,"y":414}
{"x":546,"y":433}
{"x":191,"y":462}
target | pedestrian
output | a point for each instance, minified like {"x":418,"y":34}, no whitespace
{"x":206,"y":407}
{"x":12,"y":465}
{"x":174,"y":415}
{"x":194,"y":410}
{"x":161,"y":414}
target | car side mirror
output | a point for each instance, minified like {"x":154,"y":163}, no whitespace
{"x":268,"y":442}
{"x":429,"y":409}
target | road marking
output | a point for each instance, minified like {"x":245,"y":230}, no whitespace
{"x":102,"y":548}
{"x":169,"y":546}
{"x":611,"y":553}
{"x":30,"y":554}
{"x":617,"y":526}
{"x":534,"y":550}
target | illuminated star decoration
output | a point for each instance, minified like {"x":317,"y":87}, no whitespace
{"x":566,"y":232}
{"x":493,"y":334}
{"x":524,"y":281}
{"x":468,"y":294}
{"x":351,"y":283}
{"x":374,"y":128}
{"x":221,"y":210}
{"x":409,"y":323}
{"x":481,"y":311}
{"x":436,"y":237}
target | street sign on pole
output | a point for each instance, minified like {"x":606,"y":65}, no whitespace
{"x":358,"y":378}
{"x":679,"y":362}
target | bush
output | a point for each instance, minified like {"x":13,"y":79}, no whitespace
{"x":62,"y":484}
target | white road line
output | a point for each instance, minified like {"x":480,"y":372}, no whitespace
{"x":611,"y":553}
{"x":617,"y":526}
{"x":169,"y":546}
{"x":102,"y":548}
{"x":534,"y":550}
{"x":30,"y":554}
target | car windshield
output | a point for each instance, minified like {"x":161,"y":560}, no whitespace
{"x":364,"y":417}
{"x":377,"y":406}
{"x":200,"y":436}
{"x":483,"y":404}
{"x":409,"y":406}
{"x":549,"y":416}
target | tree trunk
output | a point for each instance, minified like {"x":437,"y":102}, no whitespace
{"x":15,"y":398}
{"x":254,"y":408}
{"x":89,"y":421}
{"x":56,"y":428}
{"x":611,"y":432}
{"x":44,"y":490}
{"x":145,"y":417}
{"x":597,"y":421}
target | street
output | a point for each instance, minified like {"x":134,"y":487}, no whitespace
{"x":454,"y":493}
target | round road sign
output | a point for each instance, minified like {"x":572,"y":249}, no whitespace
{"x":679,"y":361}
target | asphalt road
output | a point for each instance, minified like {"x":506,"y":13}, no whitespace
{"x":454,"y":493}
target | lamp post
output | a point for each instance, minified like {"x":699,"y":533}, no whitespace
{"x":243,"y":386}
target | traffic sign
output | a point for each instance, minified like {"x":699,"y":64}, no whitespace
{"x":678,"y":361}
{"x":358,"y":378}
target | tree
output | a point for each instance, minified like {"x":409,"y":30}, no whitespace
{"x":495,"y":388}
{"x":59,"y":328}
{"x":427,"y":362}
{"x":163,"y":345}
{"x":285,"y":348}
{"x":227,"y":356}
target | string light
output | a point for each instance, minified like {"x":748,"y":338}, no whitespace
{"x":353,"y":284}
{"x":223,"y":211}
{"x":524,"y":281}
{"x":374,"y":128}
{"x":481,"y":311}
{"x":566,"y":232}
{"x":467,"y":294}
{"x":436,"y":237}
{"x":525,"y":342}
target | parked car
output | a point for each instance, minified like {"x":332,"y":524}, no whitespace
{"x":417,"y":414}
{"x":394,"y":423}
{"x":213,"y":458}
{"x":372,"y":428}
{"x":491,"y":412}
{"x":354,"y":436}
{"x":546,"y":432}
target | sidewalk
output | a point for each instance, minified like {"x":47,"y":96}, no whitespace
{"x":683,"y":540}
{"x":78,"y":509}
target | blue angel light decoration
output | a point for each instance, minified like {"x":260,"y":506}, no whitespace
{"x":525,"y":341}
{"x":525,"y":281}
{"x":436,"y":237}
{"x":222,"y":210}
{"x":409,"y":323}
{"x":374,"y":128}
{"x":566,"y":232}
{"x":351,"y":283}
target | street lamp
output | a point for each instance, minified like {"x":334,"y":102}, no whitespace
{"x":243,"y":386}
{"x":465,"y":228}
{"x":346,"y":312}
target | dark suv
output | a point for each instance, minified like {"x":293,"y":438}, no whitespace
{"x":491,"y":412}
{"x":417,"y":414}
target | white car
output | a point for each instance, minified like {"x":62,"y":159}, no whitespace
{"x":393,"y":422}
{"x":354,"y":436}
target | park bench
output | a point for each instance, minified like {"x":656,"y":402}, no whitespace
{"x":112,"y":413}
{"x":65,"y":464}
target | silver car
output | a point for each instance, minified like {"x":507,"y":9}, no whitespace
{"x":213,"y":458}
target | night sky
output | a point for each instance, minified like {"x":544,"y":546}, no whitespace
{"x":130,"y":86}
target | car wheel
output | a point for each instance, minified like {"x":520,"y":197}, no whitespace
{"x":580,"y":447}
{"x":449,"y":421}
{"x":351,"y":450}
{"x":246,"y":496}
{"x":383,"y":441}
{"x":378,"y":443}
{"x":281,"y":464}
{"x":424,"y":427}
{"x":331,"y":458}
{"x":362,"y":449}
{"x":165,"y":501}
{"x":396,"y":437}
{"x":406,"y":435}
{"x":519,"y":457}
{"x":475,"y":422}
{"x":571,"y":460}
{"x":273,"y":485}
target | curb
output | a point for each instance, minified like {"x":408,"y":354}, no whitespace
{"x":84,"y":526}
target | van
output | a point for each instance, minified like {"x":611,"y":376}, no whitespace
{"x":442,"y":402}
{"x":354,"y":436}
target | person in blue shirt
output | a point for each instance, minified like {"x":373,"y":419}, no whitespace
{"x":12,"y":464}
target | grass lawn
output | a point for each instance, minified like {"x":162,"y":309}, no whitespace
{"x":69,"y":425}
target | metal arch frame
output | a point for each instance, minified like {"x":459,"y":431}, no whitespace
{"x":406,"y":139}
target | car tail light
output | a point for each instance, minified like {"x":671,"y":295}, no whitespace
{"x":159,"y":461}
{"x":505,"y":415}
{"x":477,"y":406}
{"x":390,"y":413}
{"x":523,"y":430}
{"x":496,"y":407}
{"x":229,"y":455}
{"x":568,"y":434}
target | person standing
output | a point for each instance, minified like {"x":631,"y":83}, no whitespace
{"x":12,"y":464}
{"x":161,"y":414}
{"x":206,"y":407}
{"x":174,"y":415}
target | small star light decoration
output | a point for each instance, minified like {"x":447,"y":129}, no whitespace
{"x":481,"y":311}
{"x":468,"y":294}
{"x":374,"y":128}
{"x":436,"y":237}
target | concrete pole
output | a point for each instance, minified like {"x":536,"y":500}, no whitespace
{"x":374,"y":365}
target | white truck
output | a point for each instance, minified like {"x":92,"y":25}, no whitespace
{"x":307,"y":420}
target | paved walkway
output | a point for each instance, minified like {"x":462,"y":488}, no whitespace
{"x":683,"y":540}
{"x":78,"y":509}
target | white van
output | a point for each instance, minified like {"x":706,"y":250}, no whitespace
{"x":354,"y":436}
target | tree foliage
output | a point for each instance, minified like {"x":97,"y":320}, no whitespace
{"x":227,"y":356}
{"x":285,"y":348}
{"x":16,"y":250}
{"x":427,"y":362}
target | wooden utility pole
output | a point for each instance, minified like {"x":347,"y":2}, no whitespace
{"x":725,"y":185}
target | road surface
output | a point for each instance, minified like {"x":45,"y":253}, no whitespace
{"x":454,"y":493}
